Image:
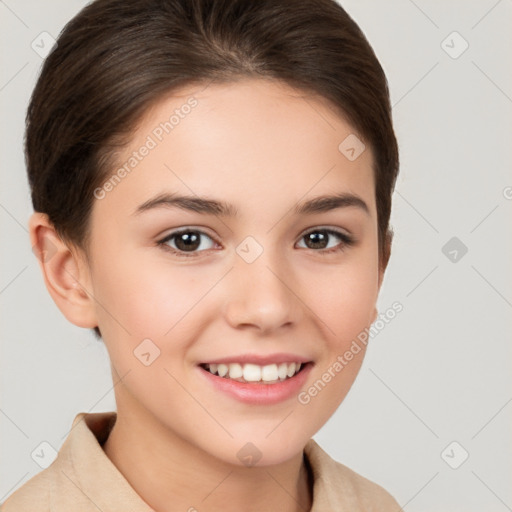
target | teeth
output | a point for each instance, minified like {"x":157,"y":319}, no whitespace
{"x":269,"y":372}
{"x":235,"y":371}
{"x":282,"y":371}
{"x":254,"y":373}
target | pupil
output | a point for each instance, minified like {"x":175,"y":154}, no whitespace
{"x":188,"y":240}
{"x":318,"y":238}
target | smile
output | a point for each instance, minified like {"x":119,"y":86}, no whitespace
{"x":257,"y":384}
{"x":267,"y":374}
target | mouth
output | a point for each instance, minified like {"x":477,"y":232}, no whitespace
{"x":253,"y":373}
{"x":275,"y":380}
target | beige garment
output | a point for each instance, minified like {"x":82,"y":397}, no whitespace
{"x":83,"y":479}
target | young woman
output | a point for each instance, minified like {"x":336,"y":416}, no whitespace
{"x":212,"y":188}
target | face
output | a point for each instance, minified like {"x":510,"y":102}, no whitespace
{"x":207,"y":255}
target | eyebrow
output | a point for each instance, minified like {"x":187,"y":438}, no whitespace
{"x":209,"y":206}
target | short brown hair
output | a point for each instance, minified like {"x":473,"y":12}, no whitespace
{"x":116,"y":57}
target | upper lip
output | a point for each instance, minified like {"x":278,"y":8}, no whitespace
{"x":260,"y":360}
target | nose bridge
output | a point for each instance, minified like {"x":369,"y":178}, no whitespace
{"x":261,"y":288}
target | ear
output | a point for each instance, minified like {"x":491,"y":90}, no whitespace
{"x":383,"y":263}
{"x":65,"y":272}
{"x":385,"y":254}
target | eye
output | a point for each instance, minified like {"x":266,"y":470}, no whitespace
{"x":320,"y":240}
{"x":186,"y":241}
{"x":189,"y":242}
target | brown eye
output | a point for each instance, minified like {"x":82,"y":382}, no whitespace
{"x":186,"y":241}
{"x":324,"y":240}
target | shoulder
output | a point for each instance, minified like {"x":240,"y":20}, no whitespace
{"x":55,"y":487}
{"x":369,"y":495}
{"x":33,"y":495}
{"x":336,"y":486}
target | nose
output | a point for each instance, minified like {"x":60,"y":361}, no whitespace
{"x":262,"y":295}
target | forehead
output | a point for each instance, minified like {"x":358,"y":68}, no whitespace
{"x":247,"y":141}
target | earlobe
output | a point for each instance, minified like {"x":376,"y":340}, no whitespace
{"x":386,"y":253}
{"x":65,"y":274}
{"x":383,"y":263}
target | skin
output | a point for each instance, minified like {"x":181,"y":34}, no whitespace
{"x":264,"y":147}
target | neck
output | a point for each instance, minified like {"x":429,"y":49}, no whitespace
{"x":163,"y":469}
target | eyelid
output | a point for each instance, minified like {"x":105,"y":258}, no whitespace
{"x":336,"y":230}
{"x":346,"y":238}
{"x":333,"y":229}
{"x":184,"y":229}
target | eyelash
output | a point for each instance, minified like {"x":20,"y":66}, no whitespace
{"x":346,"y":241}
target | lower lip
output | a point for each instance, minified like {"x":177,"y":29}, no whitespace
{"x":258,"y":393}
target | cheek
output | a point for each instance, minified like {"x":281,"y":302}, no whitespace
{"x":344,"y":297}
{"x":145,"y":297}
{"x":146,"y":308}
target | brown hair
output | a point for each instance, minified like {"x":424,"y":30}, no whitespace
{"x":117,"y":57}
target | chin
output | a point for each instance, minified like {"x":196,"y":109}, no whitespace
{"x":260,"y":451}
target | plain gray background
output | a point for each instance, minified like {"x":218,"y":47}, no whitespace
{"x":439,"y":373}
